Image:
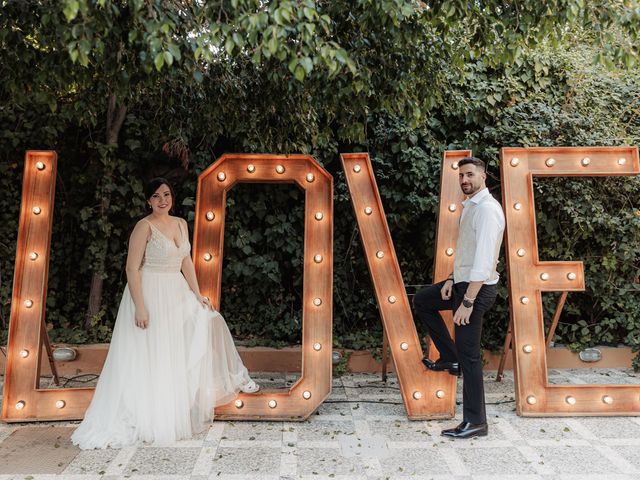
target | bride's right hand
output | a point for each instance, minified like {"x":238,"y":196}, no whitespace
{"x":142,"y":318}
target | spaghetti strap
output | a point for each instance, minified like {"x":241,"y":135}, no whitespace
{"x":182,"y":235}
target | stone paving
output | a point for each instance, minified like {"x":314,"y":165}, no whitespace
{"x":362,"y":432}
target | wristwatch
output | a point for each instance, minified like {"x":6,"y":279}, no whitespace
{"x":467,"y":302}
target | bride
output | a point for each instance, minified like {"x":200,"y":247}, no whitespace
{"x":171,"y":358}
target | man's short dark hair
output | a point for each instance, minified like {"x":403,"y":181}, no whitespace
{"x":474,"y":161}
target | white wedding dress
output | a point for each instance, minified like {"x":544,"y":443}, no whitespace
{"x":162,"y":383}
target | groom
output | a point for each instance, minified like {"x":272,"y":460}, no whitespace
{"x":469,"y":292}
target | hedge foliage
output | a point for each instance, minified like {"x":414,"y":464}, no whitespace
{"x":549,"y":96}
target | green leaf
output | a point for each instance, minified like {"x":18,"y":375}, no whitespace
{"x":70,"y":10}
{"x":299,"y":73}
{"x":159,"y":61}
{"x":168,"y":58}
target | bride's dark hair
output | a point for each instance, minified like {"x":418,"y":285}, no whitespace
{"x":153,"y":185}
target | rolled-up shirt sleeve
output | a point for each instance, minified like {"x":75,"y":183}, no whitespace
{"x":489,"y":227}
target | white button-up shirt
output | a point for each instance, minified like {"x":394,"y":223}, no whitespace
{"x":479,"y":239}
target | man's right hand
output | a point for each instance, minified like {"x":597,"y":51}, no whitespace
{"x":446,"y":289}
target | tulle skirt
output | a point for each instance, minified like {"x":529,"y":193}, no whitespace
{"x":161,"y":384}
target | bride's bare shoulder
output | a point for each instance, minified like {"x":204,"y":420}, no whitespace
{"x":142,"y":227}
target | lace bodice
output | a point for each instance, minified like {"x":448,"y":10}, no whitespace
{"x":162,"y":254}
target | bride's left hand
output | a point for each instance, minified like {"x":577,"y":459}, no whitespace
{"x":204,"y":301}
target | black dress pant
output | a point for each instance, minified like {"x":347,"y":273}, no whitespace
{"x":465,"y":350}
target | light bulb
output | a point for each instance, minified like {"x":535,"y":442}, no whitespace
{"x":222,"y":176}
{"x":317,"y":258}
{"x":317,"y":347}
{"x":357,"y":168}
{"x":36,"y":210}
{"x":404,"y":346}
{"x":20,"y":405}
{"x":33,"y":256}
{"x":251,"y":168}
{"x":550,"y":162}
{"x":524,"y":300}
{"x":210,"y":216}
{"x":319,"y":216}
{"x":517,"y":206}
{"x":28,"y":303}
{"x":440,"y":394}
{"x":531,"y":400}
{"x":521,"y":252}
{"x":585,"y":161}
{"x":571,"y":276}
{"x":570,"y":400}
{"x":310,"y":177}
{"x":40,"y":165}
{"x":368,"y":210}
{"x":60,"y":404}
{"x":515,"y":161}
{"x":207,"y":257}
{"x":306,"y":394}
{"x":24,"y":353}
{"x":449,"y":251}
{"x":392,"y":299}
{"x":544,"y":276}
{"x":607,"y":399}
{"x":454,"y":165}
{"x":379,"y":254}
{"x":527,"y":348}
{"x":280,"y":169}
{"x":417,"y":395}
{"x":239,"y":403}
{"x":273,"y":404}
{"x":317,"y":302}
{"x":622,"y":161}
{"x":452,"y":207}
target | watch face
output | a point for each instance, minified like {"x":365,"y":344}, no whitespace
{"x":467,"y":303}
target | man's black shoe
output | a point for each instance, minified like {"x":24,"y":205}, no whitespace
{"x":467,"y":430}
{"x":441,"y":366}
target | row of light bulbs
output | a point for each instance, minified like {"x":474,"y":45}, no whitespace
{"x":280,"y":169}
{"x":550,"y":162}
{"x":273,"y":403}
{"x":21,"y":404}
{"x":608,"y":399}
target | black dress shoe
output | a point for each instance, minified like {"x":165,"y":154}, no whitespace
{"x":467,"y":430}
{"x":441,"y":366}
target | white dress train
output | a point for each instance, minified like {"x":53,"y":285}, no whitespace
{"x":161,"y":384}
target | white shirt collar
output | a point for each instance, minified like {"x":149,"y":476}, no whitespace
{"x":477,"y":198}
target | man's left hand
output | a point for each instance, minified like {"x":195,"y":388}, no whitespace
{"x":462,"y":315}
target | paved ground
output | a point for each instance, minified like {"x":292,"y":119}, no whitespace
{"x":360,"y":433}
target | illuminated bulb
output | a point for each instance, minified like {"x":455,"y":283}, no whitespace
{"x":585,"y":161}
{"x":251,"y":168}
{"x":319,"y":216}
{"x":210,"y":216}
{"x":521,"y":252}
{"x":306,"y":394}
{"x":607,"y":399}
{"x":222,"y":176}
{"x":239,"y":403}
{"x":440,"y":394}
{"x":524,"y":300}
{"x":392,"y":299}
{"x":515,"y":161}
{"x":417,"y":395}
{"x":310,"y":177}
{"x":20,"y":405}
{"x":357,"y":168}
{"x":24,"y":353}
{"x":527,"y":348}
{"x":622,"y":161}
{"x":368,"y":210}
{"x":60,"y":404}
{"x":531,"y":400}
{"x":36,"y":210}
{"x":317,"y":302}
{"x":317,"y":258}
{"x":317,"y":347}
{"x":273,"y":404}
{"x":40,"y":165}
{"x":449,"y":251}
{"x":379,"y":254}
{"x":280,"y":169}
{"x":207,"y":257}
{"x":550,"y":162}
{"x":454,"y":165}
{"x":570,"y":400}
{"x":571,"y":276}
{"x":404,"y":346}
{"x":28,"y":303}
{"x":544,"y":276}
{"x":33,"y":256}
{"x":517,"y":206}
{"x":452,"y":207}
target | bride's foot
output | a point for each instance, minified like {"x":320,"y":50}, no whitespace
{"x":250,"y":387}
